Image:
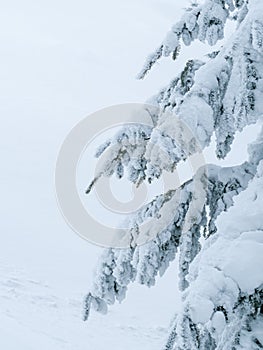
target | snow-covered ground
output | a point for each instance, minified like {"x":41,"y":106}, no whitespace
{"x":34,"y":315}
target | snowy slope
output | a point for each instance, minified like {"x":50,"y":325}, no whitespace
{"x":33,"y":315}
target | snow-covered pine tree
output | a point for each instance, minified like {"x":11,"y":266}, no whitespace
{"x":221,"y":280}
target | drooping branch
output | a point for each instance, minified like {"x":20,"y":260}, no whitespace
{"x":187,"y":214}
{"x":205,"y":22}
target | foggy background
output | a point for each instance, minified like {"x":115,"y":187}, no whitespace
{"x":61,"y":61}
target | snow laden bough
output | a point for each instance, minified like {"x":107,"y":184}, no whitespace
{"x":222,"y":309}
{"x":221,"y":280}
